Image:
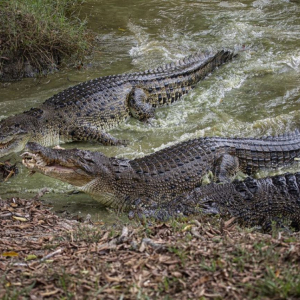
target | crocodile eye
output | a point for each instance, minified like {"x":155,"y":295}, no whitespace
{"x":90,"y":161}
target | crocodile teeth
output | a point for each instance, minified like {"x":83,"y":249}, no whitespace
{"x":3,"y":145}
{"x":33,"y":160}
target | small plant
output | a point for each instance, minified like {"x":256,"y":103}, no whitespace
{"x":15,"y":294}
{"x":64,"y":280}
{"x":212,"y":267}
{"x":39,"y":35}
{"x":179,"y":252}
{"x":283,"y":285}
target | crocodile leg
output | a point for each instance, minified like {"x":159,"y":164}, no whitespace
{"x":86,"y":133}
{"x":225,"y":167}
{"x":138,"y":106}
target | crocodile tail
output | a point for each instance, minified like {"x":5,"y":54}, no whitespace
{"x":222,"y":57}
{"x":263,"y":201}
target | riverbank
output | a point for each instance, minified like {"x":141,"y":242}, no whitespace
{"x":38,"y":37}
{"x":44,"y":255}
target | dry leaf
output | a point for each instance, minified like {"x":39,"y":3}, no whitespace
{"x":20,"y":219}
{"x":10,"y":254}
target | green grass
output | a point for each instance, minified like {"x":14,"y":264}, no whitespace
{"x":42,"y":33}
{"x":284,"y":285}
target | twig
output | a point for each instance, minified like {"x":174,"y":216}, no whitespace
{"x":26,"y":216}
{"x":11,"y":173}
{"x":12,"y":214}
{"x":51,"y":254}
{"x":20,"y":264}
{"x":2,"y":216}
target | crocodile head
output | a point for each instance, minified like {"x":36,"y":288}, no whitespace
{"x":13,"y":135}
{"x":74,"y":166}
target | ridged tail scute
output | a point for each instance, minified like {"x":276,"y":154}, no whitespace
{"x":265,"y":201}
{"x":218,"y":59}
{"x":293,"y":184}
{"x":246,"y":188}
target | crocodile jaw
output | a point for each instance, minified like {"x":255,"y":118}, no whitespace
{"x":13,"y":144}
{"x":36,"y":163}
{"x":14,"y":134}
{"x":59,"y":165}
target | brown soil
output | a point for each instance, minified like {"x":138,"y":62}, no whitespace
{"x":43,"y":256}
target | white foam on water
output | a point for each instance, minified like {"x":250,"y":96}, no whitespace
{"x":264,"y":76}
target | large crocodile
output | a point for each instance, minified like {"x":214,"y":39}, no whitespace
{"x":252,"y":202}
{"x":84,"y":111}
{"x":164,"y":174}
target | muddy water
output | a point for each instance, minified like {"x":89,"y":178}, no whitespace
{"x":258,"y":93}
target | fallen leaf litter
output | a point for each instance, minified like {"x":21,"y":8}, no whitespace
{"x":43,"y":255}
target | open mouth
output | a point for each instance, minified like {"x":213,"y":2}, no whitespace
{"x":37,"y":162}
{"x":4,"y":146}
{"x":31,"y":160}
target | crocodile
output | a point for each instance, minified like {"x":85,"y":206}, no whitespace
{"x":165,"y":174}
{"x":253,"y":202}
{"x":85,"y":111}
